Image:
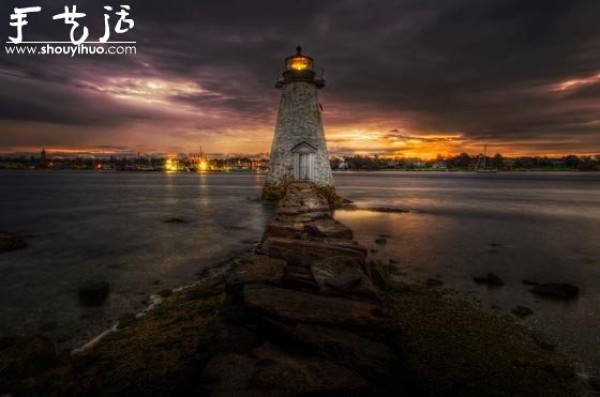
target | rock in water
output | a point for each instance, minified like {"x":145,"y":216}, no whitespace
{"x":392,"y":210}
{"x":491,"y":279}
{"x":434,"y":282}
{"x":94,"y":294}
{"x":522,"y":311}
{"x":176,"y":220}
{"x":11,"y":242}
{"x":529,"y":282}
{"x":556,"y":291}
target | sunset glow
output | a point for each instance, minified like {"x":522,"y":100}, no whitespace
{"x":578,"y":83}
{"x":210,"y":84}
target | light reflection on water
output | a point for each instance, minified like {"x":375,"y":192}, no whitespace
{"x":111,"y":226}
{"x":542,"y":227}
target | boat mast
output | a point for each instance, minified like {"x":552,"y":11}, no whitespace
{"x":484,"y":155}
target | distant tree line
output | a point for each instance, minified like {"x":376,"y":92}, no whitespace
{"x":464,"y":161}
{"x":65,"y":162}
{"x":123,"y":163}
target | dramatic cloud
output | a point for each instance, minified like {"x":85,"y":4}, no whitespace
{"x":405,"y":77}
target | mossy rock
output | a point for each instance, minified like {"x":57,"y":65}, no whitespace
{"x":24,"y":356}
{"x":277,"y":192}
{"x":273,"y":192}
{"x":160,"y":354}
{"x":335,"y":201}
{"x":455,"y":349}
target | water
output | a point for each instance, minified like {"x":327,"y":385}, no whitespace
{"x":89,"y":226}
{"x":536,"y":226}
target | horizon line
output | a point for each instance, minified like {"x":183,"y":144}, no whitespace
{"x":330,"y":154}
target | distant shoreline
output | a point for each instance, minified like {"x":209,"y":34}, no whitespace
{"x":465,"y":170}
{"x":237,"y":172}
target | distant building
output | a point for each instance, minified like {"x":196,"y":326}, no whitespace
{"x":43,"y":158}
{"x":343,"y":164}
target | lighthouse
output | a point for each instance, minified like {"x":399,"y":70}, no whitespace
{"x":299,"y":149}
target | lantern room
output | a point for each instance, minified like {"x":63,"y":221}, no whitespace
{"x":299,"y":62}
{"x":300,"y":68}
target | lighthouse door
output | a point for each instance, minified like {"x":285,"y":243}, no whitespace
{"x":304,"y":174}
{"x":304,"y":162}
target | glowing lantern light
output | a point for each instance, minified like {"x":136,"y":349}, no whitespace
{"x":299,"y":62}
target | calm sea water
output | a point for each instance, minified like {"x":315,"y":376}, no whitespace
{"x":86,"y":226}
{"x":89,"y":226}
{"x":537,"y":226}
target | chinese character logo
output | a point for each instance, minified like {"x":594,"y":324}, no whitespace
{"x":20,"y":20}
{"x":79,"y":33}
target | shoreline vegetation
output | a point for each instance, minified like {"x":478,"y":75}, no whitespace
{"x":306,"y":314}
{"x":199,"y":162}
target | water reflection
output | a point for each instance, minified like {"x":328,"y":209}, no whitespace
{"x":111,"y":226}
{"x":90,"y":226}
{"x":519,"y":226}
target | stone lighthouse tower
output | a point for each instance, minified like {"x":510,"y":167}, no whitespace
{"x":299,"y":150}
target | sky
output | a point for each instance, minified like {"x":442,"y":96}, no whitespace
{"x":413,"y":78}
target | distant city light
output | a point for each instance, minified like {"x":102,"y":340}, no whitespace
{"x":171,"y":165}
{"x":203,"y":165}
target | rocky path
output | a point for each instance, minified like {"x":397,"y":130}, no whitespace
{"x":311,"y":294}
